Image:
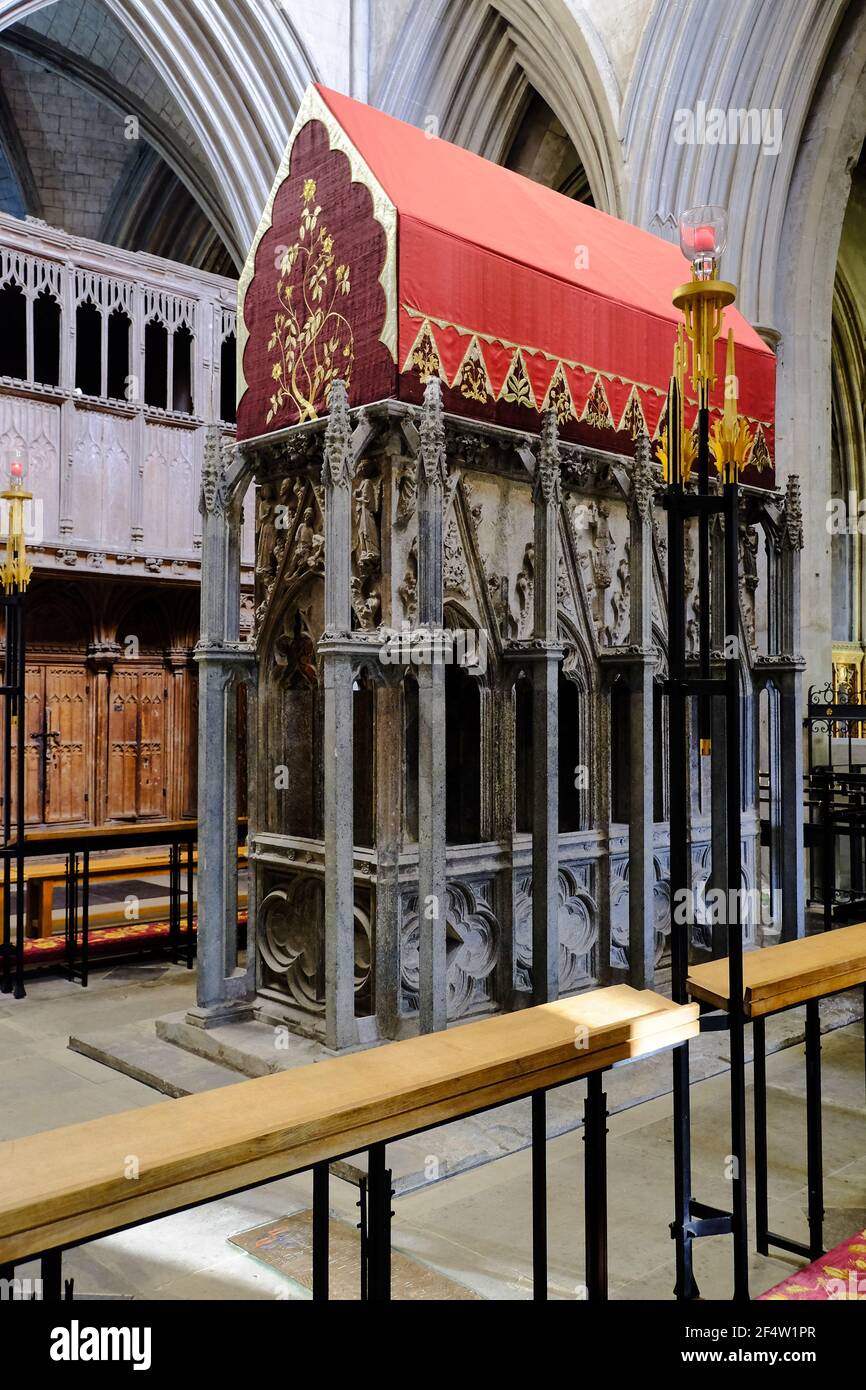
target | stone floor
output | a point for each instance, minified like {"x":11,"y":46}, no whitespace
{"x":474,"y":1227}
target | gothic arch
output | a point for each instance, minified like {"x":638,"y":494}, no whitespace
{"x":474,"y":69}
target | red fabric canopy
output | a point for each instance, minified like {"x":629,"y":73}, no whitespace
{"x":518,"y":297}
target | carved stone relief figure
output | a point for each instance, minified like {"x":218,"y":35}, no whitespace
{"x":308,"y":552}
{"x":564,"y":596}
{"x":367,"y":606}
{"x":266,"y":528}
{"x":456,"y":573}
{"x":749,"y":541}
{"x":407,"y":494}
{"x":590,"y":524}
{"x":523,"y":587}
{"x":621,"y":599}
{"x":366,"y":505}
{"x":408,"y":590}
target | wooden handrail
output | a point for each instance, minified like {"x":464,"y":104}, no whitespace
{"x":789,"y":973}
{"x":74,"y":1184}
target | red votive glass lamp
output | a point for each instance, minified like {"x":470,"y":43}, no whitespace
{"x":703,"y":237}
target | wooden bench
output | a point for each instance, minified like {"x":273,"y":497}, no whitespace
{"x":43,"y":878}
{"x":776,"y":978}
{"x":71,"y":1185}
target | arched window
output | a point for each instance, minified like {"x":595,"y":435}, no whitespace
{"x":13,"y":338}
{"x":228,"y":379}
{"x":119,"y":331}
{"x":46,"y":339}
{"x":295,"y":715}
{"x":156,"y":364}
{"x":572,"y":773}
{"x":181,"y":370}
{"x":462,"y":757}
{"x":88,"y":349}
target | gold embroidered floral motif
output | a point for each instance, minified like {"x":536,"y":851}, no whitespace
{"x":759,"y":459}
{"x":596,"y":412}
{"x":472,"y":377}
{"x":312,"y":341}
{"x":517,"y":388}
{"x":633,"y":418}
{"x":425,"y":355}
{"x":559,"y":397}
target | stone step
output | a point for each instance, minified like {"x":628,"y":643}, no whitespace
{"x":137,"y":1052}
{"x":249,"y":1047}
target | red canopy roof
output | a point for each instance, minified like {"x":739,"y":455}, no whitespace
{"x":518,"y":297}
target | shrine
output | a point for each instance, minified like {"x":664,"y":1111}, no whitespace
{"x":433,"y":645}
{"x":455,"y":431}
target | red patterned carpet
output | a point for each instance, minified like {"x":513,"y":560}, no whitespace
{"x":840,"y":1274}
{"x":120,"y":940}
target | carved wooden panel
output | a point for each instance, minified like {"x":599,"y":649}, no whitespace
{"x":102,"y":479}
{"x":151,"y":759}
{"x":31,"y":429}
{"x":68,"y":761}
{"x":170,"y":513}
{"x":136,"y":738}
{"x":57,"y":742}
{"x":122,"y":744}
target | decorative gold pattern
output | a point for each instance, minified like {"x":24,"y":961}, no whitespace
{"x":314,"y":108}
{"x":596,"y":412}
{"x":688,"y":456}
{"x":424,"y":354}
{"x":472,"y":379}
{"x":517,"y":387}
{"x":731,"y":446}
{"x":760,"y":456}
{"x":312,"y":342}
{"x":633,"y":418}
{"x":558,"y":397}
{"x":430,"y":321}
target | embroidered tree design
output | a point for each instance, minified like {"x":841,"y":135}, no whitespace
{"x":312,"y":342}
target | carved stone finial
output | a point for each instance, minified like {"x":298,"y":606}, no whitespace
{"x":643,"y":480}
{"x":338,"y":464}
{"x":432,"y":457}
{"x":791,"y":530}
{"x":548,"y":485}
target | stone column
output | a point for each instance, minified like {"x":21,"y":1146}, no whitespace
{"x":337,"y":473}
{"x":641,"y":871}
{"x":432,"y":891}
{"x":222,"y":990}
{"x":546,"y":655}
{"x":790,"y":681}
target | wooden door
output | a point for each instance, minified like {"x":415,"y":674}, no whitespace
{"x":152,"y":790}
{"x":136,"y":739}
{"x":57,"y":758}
{"x":68,"y":762}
